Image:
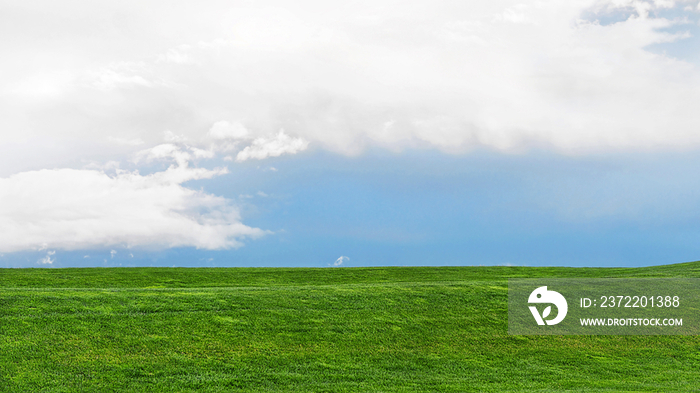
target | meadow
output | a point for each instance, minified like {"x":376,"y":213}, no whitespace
{"x":384,"y":329}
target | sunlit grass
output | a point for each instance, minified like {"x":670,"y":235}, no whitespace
{"x":312,"y":330}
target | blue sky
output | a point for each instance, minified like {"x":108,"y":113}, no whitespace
{"x":427,"y":208}
{"x":266,"y":134}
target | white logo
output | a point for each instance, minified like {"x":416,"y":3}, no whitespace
{"x":542,"y":295}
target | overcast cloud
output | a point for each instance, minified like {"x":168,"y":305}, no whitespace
{"x":249,"y":80}
{"x":451,"y":75}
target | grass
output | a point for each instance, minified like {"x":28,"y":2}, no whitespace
{"x":412,"y":329}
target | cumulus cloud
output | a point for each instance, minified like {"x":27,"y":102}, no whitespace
{"x":73,"y":209}
{"x":166,"y":151}
{"x":275,"y":146}
{"x":47,"y":260}
{"x":182,"y":154}
{"x":226,"y":136}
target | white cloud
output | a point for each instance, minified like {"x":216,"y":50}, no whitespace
{"x":225,"y":130}
{"x":202,"y":153}
{"x":340,"y":261}
{"x":124,"y":141}
{"x":504,"y":74}
{"x":123,"y":74}
{"x":181,"y":153}
{"x":227,"y":136}
{"x":72,"y":209}
{"x":177,"y":55}
{"x":272,"y":147}
{"x":166,"y":151}
{"x":47,"y":260}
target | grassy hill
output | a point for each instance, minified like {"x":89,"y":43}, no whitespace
{"x":411,"y":329}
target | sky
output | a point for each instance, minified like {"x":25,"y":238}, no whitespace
{"x":363,"y":133}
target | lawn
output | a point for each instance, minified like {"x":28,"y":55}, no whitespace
{"x":393,"y":329}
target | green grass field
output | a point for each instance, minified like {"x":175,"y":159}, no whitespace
{"x":412,"y":329}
